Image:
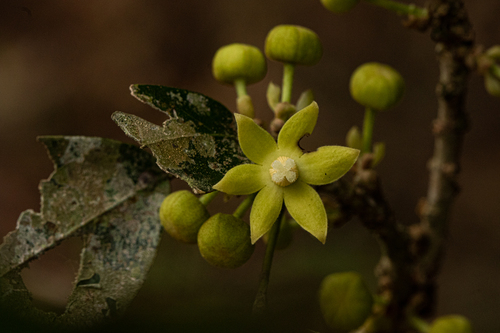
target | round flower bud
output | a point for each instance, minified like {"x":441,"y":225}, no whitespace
{"x":239,"y":62}
{"x":345,"y":301}
{"x":245,"y":106}
{"x":339,"y":6}
{"x":451,"y":324}
{"x":182,"y":214}
{"x":354,"y":139}
{"x":284,"y":110}
{"x":376,"y":86}
{"x":294,"y":45}
{"x":224,"y":241}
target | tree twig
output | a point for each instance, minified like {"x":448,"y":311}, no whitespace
{"x":454,"y":37}
{"x":411,"y":256}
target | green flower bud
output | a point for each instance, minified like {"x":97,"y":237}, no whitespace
{"x":224,"y":241}
{"x":353,"y":138}
{"x":378,"y":153}
{"x":273,"y":95}
{"x":182,"y":214}
{"x":294,"y":45}
{"x":239,"y":62}
{"x":306,"y":98}
{"x":451,"y":324}
{"x":339,"y":6}
{"x":245,"y":106}
{"x":345,"y":301}
{"x":376,"y":86}
{"x":284,"y":110}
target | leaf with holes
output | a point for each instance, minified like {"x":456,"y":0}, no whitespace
{"x":198,"y":143}
{"x":108,"y":192}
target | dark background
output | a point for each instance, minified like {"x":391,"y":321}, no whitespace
{"x":65,"y":66}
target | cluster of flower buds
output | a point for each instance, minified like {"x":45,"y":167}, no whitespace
{"x":223,"y":239}
{"x":241,"y":64}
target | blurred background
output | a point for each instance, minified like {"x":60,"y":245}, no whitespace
{"x":65,"y":66}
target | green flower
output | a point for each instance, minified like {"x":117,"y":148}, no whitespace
{"x":282,"y":172}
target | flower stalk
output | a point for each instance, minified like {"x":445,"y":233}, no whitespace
{"x":260,"y":303}
{"x":368,"y":125}
{"x":418,"y":324}
{"x":288,"y":71}
{"x":206,"y":199}
{"x":244,"y":206}
{"x":401,"y":8}
{"x":241,"y":87}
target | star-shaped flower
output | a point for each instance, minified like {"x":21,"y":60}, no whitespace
{"x":282,"y":172}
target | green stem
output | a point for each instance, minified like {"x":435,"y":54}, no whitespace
{"x":260,"y":303}
{"x":401,"y":8}
{"x":205,"y":199}
{"x":368,"y":130}
{"x":419,"y":324}
{"x":286,"y":91}
{"x":241,"y":87}
{"x":243,"y":207}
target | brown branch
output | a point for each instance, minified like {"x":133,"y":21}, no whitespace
{"x":362,"y":196}
{"x":454,"y":37}
{"x":412,"y":255}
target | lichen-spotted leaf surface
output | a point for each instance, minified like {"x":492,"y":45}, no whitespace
{"x":110,"y":193}
{"x":198,"y":143}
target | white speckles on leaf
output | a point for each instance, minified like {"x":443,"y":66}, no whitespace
{"x":197,"y":144}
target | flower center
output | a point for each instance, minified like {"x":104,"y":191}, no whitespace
{"x":284,"y":171}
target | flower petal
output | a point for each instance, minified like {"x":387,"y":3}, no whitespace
{"x":243,"y":179}
{"x":305,"y":206}
{"x":265,"y":210}
{"x":326,"y":165}
{"x":255,"y":142}
{"x":296,"y":127}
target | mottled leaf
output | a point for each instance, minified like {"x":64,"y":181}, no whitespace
{"x":92,"y":176}
{"x":111,"y":193}
{"x":198,"y":143}
{"x":119,"y":248}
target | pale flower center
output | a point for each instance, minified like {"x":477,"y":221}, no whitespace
{"x":284,"y":171}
